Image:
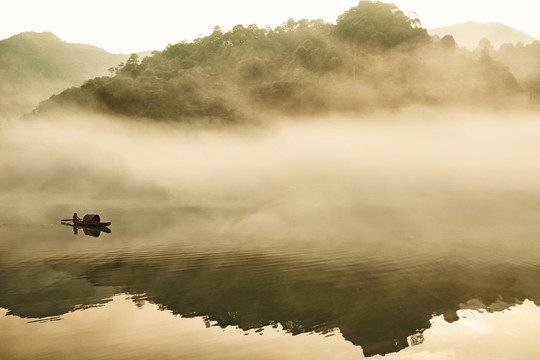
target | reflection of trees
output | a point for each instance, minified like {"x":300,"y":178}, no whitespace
{"x":34,"y":290}
{"x":375,"y":306}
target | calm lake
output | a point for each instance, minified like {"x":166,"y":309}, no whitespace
{"x":344,"y":243}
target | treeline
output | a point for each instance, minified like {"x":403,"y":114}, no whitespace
{"x":524,"y":62}
{"x":373,"y":57}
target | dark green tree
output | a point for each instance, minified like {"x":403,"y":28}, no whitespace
{"x":315,"y":55}
{"x":378,"y":26}
{"x":448,"y":42}
{"x":131,"y":66}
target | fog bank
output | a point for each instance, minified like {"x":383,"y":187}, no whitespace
{"x":416,"y":178}
{"x":314,"y":163}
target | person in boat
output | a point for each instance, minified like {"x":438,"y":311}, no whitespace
{"x":75,"y":218}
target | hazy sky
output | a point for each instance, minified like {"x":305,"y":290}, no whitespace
{"x":134,"y":25}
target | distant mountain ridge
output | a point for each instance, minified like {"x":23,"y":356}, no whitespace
{"x":34,"y":66}
{"x":470,"y":33}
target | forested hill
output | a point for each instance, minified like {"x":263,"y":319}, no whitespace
{"x":373,"y":57}
{"x":33,"y":66}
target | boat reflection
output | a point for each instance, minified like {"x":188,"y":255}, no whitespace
{"x":88,"y":230}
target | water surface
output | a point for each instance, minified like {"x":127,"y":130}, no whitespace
{"x":330,"y":245}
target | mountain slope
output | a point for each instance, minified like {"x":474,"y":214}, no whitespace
{"x":470,"y":33}
{"x":33,"y":66}
{"x":300,"y":68}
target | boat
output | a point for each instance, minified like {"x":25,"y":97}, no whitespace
{"x":90,"y":220}
{"x":94,"y":224}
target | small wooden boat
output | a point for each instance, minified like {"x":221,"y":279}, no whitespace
{"x":90,"y":220}
{"x":94,"y":224}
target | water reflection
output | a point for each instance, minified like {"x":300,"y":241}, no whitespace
{"x":376,"y":273}
{"x":87,"y":230}
{"x":135,"y":329}
{"x":380,"y":306}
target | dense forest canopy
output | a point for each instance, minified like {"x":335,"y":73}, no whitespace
{"x":373,"y":57}
{"x":378,"y":26}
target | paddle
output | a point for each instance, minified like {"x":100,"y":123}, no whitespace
{"x":66,"y":219}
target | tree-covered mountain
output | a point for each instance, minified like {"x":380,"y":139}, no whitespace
{"x":470,"y":33}
{"x":373,"y":57}
{"x":523,"y":60}
{"x":33,"y":66}
{"x":511,"y":47}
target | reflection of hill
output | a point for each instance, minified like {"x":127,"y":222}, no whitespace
{"x":375,"y":305}
{"x":34,"y":290}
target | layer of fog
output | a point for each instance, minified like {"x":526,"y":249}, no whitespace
{"x":328,"y":159}
{"x":418,"y":177}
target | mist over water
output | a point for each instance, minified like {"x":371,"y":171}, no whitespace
{"x":409,"y":178}
{"x":289,"y":182}
{"x":320,"y":159}
{"x":367,"y":225}
{"x":407,"y":162}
